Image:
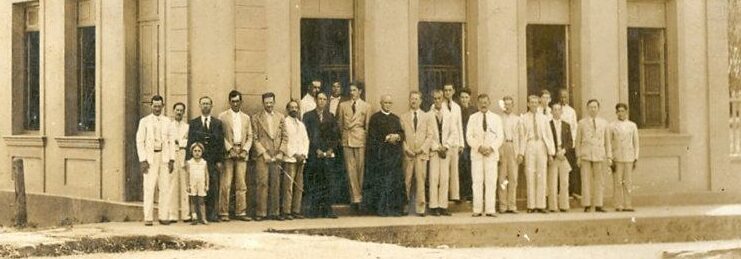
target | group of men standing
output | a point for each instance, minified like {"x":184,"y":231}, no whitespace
{"x":420,"y":159}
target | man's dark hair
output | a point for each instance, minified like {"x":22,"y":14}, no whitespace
{"x":506,"y":98}
{"x":234,"y":93}
{"x":593,"y":101}
{"x":483,"y":96}
{"x":464,"y":90}
{"x":268,"y":95}
{"x":358,"y":84}
{"x":544,"y":92}
{"x":205,"y":97}
{"x":158,"y":98}
{"x":621,"y":105}
{"x":292,"y":101}
{"x":179,"y":103}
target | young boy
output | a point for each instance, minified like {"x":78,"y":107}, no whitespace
{"x":197,"y":183}
{"x":624,"y":139}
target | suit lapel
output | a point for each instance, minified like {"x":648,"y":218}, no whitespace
{"x":264,"y":123}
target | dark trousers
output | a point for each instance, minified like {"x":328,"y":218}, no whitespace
{"x":464,"y":173}
{"x":212,"y":194}
{"x":574,"y":176}
{"x":318,"y":188}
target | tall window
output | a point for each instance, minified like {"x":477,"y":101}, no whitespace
{"x":81,"y":99}
{"x":31,"y":113}
{"x":547,"y":59}
{"x":440,"y":50}
{"x":86,"y":79}
{"x":647,"y":77}
{"x":325,"y":53}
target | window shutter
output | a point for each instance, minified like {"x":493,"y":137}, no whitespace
{"x":653,"y":79}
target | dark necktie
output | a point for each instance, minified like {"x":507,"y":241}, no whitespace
{"x":484,"y":124}
{"x":353,"y":107}
{"x":206,"y":124}
{"x":415,"y":121}
{"x":594,"y":124}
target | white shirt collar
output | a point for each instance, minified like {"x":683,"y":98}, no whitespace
{"x":385,"y":113}
{"x":235,"y":113}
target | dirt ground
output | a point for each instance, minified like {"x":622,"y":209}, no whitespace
{"x":265,"y":245}
{"x":248,"y":239}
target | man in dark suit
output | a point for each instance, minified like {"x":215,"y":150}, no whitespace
{"x":324,"y":140}
{"x":559,"y":168}
{"x":210,"y":132}
{"x":340,"y":191}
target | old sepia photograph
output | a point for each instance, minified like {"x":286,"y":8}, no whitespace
{"x":370,"y":129}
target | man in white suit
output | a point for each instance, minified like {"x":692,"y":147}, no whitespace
{"x":446,"y":141}
{"x":455,"y":112}
{"x":296,"y":151}
{"x":485,"y":135}
{"x":594,"y":153}
{"x":237,"y":142}
{"x":179,"y":204}
{"x":156,"y":160}
{"x":537,"y":147}
{"x":418,"y":131}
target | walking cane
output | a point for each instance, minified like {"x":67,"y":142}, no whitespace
{"x":300,"y":188}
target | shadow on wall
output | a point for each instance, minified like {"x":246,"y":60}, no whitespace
{"x":49,"y":210}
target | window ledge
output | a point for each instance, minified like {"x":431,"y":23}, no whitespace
{"x":663,"y":137}
{"x":80,"y":142}
{"x":736,"y":159}
{"x":25,"y":140}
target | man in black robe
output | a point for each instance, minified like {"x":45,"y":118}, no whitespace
{"x":324,"y":140}
{"x":383,"y":188}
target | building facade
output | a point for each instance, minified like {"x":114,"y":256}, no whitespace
{"x":76,"y":75}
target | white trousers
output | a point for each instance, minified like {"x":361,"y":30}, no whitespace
{"x":484,"y":177}
{"x":439,"y":180}
{"x":592,"y":181}
{"x":179,"y":204}
{"x":536,"y":166}
{"x":623,"y":182}
{"x":157,"y":177}
{"x":558,"y":184}
{"x":454,"y":184}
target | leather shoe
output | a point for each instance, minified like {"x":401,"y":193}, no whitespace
{"x":445,"y":212}
{"x":476,"y":215}
{"x":564,"y":210}
{"x":331,"y":215}
{"x":491,"y":215}
{"x":436,"y":212}
{"x":244,"y":218}
{"x":297,"y":216}
{"x":148,"y":223}
{"x":599,"y":209}
{"x":587,"y":208}
{"x":164,"y":222}
{"x":259,"y":218}
{"x":628,"y":210}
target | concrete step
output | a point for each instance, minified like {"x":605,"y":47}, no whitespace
{"x":648,"y":225}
